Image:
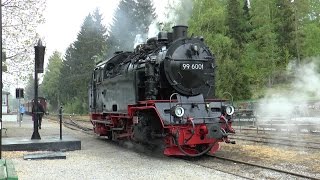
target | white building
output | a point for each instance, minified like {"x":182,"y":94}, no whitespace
{"x":5,"y":104}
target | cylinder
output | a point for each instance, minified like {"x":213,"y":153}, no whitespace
{"x":180,"y":32}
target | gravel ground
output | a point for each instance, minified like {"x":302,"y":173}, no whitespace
{"x":100,"y":159}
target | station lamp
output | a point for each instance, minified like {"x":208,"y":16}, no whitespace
{"x":39,"y":56}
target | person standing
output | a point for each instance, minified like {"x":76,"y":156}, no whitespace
{"x":39,"y":114}
{"x":22,"y":110}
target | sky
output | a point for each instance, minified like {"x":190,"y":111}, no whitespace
{"x":65,"y":17}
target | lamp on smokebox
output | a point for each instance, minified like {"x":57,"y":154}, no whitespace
{"x":39,"y":56}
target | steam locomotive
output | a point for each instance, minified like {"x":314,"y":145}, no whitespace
{"x":162,"y":95}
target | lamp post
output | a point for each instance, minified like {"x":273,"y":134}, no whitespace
{"x":38,"y":68}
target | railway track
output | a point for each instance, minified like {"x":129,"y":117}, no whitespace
{"x":277,"y":140}
{"x":247,"y":170}
{"x":224,"y":170}
{"x":71,"y":123}
{"x":244,"y":169}
{"x":273,"y":130}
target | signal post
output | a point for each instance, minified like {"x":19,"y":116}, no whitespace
{"x":38,"y":68}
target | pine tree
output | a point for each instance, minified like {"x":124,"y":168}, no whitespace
{"x":247,"y":24}
{"x":285,"y":29}
{"x":80,"y":60}
{"x":131,"y":18}
{"x":261,"y":52}
{"x":234,"y":21}
{"x":238,"y":23}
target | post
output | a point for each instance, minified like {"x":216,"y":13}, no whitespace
{"x":19,"y":113}
{"x":19,"y":103}
{"x":60,"y":116}
{"x":1,"y":79}
{"x":38,"y":68}
{"x":35,"y":134}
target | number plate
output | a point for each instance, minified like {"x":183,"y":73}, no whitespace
{"x":191,"y":66}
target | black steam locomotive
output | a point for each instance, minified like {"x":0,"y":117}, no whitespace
{"x":161,"y":94}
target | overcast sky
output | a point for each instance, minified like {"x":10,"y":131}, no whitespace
{"x":65,"y":17}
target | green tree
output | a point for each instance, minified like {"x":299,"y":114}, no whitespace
{"x":29,"y":90}
{"x":235,"y":26}
{"x":210,"y":20}
{"x":131,"y":18}
{"x":237,"y":21}
{"x":51,"y":79}
{"x":307,"y":27}
{"x":80,"y":60}
{"x":310,"y":46}
{"x":285,"y":28}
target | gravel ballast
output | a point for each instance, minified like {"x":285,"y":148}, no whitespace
{"x":100,"y":159}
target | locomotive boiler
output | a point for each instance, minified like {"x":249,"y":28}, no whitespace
{"x":161,"y":94}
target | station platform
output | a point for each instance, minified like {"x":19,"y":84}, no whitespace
{"x":17,"y":136}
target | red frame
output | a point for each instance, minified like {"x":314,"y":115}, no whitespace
{"x":103,"y":123}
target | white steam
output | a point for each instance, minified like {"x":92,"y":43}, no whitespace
{"x":174,"y":12}
{"x":139,"y":39}
{"x":154,"y":29}
{"x":169,"y":13}
{"x":308,"y":81}
{"x":179,"y":11}
{"x":294,"y":102}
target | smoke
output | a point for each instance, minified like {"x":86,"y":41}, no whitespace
{"x":138,"y":40}
{"x":308,"y":81}
{"x":169,"y":13}
{"x":179,"y":11}
{"x":295,"y":102}
{"x":172,"y":12}
{"x":154,"y":29}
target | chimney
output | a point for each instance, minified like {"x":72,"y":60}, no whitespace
{"x":180,"y":32}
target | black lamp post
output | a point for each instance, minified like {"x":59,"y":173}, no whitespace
{"x":38,"y":68}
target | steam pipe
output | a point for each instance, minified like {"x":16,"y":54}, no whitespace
{"x":170,"y":102}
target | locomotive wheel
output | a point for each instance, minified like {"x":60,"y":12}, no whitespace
{"x":144,"y":130}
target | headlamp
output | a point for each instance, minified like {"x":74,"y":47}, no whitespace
{"x":178,"y":111}
{"x":229,"y":110}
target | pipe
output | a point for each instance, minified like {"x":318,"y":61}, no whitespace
{"x":192,"y":132}
{"x":192,"y":155}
